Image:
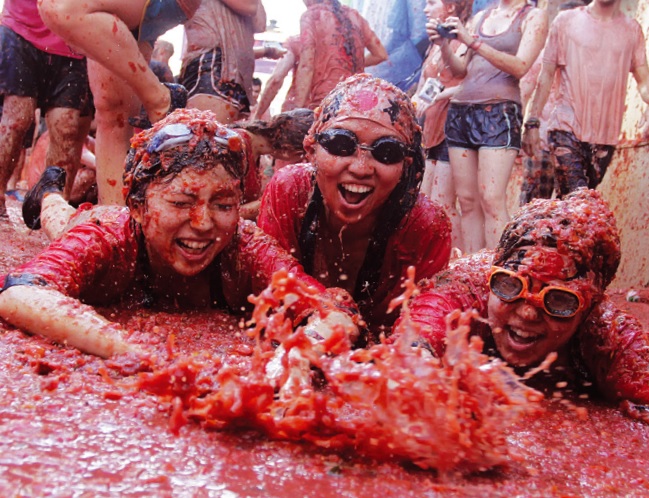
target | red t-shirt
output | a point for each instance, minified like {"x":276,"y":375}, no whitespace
{"x":423,"y":238}
{"x":99,"y":262}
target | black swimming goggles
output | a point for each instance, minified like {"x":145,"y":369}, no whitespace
{"x":559,"y":302}
{"x":343,"y":143}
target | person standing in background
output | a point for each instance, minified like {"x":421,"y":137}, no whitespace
{"x":219,"y":59}
{"x":483,"y":125}
{"x":591,"y":50}
{"x":437,"y":78}
{"x":118,"y":36}
{"x":333,"y":39}
{"x":39,"y":70}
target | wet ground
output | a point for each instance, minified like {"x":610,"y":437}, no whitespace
{"x":69,"y":427}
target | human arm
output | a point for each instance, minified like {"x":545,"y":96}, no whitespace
{"x":250,"y":210}
{"x":274,"y":83}
{"x":376,"y":51}
{"x":641,"y":76}
{"x":614,"y":346}
{"x":47,"y":312}
{"x":535,"y":30}
{"x":463,"y":286}
{"x":304,"y":76}
{"x":94,"y":261}
{"x":531,"y":139}
{"x":246,"y":8}
{"x":268,"y":51}
{"x":304,"y":72}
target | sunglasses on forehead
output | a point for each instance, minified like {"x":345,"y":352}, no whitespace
{"x":343,"y":143}
{"x":559,"y":302}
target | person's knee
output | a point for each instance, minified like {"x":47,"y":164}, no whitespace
{"x":57,"y":14}
{"x":468,"y":203}
{"x":16,"y":124}
{"x":64,"y":126}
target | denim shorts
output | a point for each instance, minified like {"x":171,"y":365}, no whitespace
{"x":473,"y":126}
{"x":438,"y":152}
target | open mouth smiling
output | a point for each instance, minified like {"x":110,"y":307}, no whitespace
{"x":193,"y":246}
{"x":354,"y":193}
{"x":523,"y":338}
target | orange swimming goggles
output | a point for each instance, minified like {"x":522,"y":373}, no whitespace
{"x":559,"y":302}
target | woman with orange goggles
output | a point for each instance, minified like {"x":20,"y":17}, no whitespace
{"x":542,"y":291}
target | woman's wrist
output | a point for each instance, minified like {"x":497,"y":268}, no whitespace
{"x":475,"y":43}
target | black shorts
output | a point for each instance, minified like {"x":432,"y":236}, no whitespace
{"x":439,"y":152}
{"x":53,"y":80}
{"x":203,"y":75}
{"x":473,"y":126}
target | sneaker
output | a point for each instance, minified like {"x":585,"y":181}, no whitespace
{"x":178,"y":101}
{"x":52,"y":180}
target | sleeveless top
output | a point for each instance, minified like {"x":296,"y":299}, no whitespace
{"x":484,"y":83}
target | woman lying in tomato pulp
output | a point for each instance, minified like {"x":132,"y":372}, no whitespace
{"x":543,"y":290}
{"x":179,"y":242}
{"x":354,"y":217}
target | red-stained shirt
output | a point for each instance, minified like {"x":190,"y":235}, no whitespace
{"x":328,"y":34}
{"x":610,"y":345}
{"x":423,"y":239}
{"x":100,"y":261}
{"x":594,"y":58}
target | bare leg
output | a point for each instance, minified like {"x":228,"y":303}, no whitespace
{"x":429,"y":176}
{"x":493,"y":176}
{"x":225,"y":112}
{"x":115,"y":102}
{"x":17,"y":116}
{"x":464,"y":165}
{"x":443,"y":192}
{"x":100,"y":29}
{"x":55,"y":215}
{"x":67,"y":132}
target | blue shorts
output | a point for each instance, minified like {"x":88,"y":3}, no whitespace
{"x":160,"y":16}
{"x":438,"y":152}
{"x":53,"y":80}
{"x":473,"y":126}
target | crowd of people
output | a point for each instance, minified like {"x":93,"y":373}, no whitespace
{"x":369,"y":179}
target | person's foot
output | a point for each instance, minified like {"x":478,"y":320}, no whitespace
{"x":52,"y":180}
{"x":178,"y":94}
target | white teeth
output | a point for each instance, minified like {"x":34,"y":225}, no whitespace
{"x":191,"y":244}
{"x":357,"y":189}
{"x":525,"y":335}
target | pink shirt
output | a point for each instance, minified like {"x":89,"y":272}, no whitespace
{"x":594,"y":58}
{"x":22,"y":17}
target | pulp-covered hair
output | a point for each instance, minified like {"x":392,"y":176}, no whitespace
{"x":284,"y":131}
{"x":580,"y":226}
{"x":186,"y":138}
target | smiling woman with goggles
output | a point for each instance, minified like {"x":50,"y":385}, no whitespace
{"x":559,"y":302}
{"x":344,"y":143}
